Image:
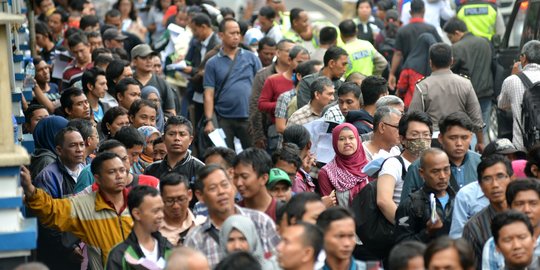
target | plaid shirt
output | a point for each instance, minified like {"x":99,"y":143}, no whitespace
{"x":283,"y":103}
{"x":511,"y":98}
{"x":199,"y":237}
{"x":303,"y":116}
{"x":334,"y":114}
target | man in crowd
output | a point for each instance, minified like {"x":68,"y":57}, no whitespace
{"x":112,"y":38}
{"x":33,"y":115}
{"x":322,"y":93}
{"x":373,"y":88}
{"x":94,"y":85}
{"x":447,"y":253}
{"x":80,"y":49}
{"x":90,"y":137}
{"x":279,"y":186}
{"x":185,"y":258}
{"x":216,"y":190}
{"x":407,"y":255}
{"x":299,"y":247}
{"x":349,"y":99}
{"x":228,"y":102}
{"x":414,"y":217}
{"x":127,"y":91}
{"x":385,"y":133}
{"x":74,"y":104}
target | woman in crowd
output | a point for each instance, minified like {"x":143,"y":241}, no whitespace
{"x":113,"y":120}
{"x":156,"y":27}
{"x":45,"y":152}
{"x":130,"y":21}
{"x":238,"y":233}
{"x":142,"y":113}
{"x":116,"y":70}
{"x":147,"y":156}
{"x":151,"y":93}
{"x":343,"y":175}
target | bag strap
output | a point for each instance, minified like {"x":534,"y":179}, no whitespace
{"x":216,"y":93}
{"x":525,"y":80}
{"x":403,"y":169}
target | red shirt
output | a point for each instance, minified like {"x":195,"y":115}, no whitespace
{"x":270,"y":210}
{"x":273,"y":87}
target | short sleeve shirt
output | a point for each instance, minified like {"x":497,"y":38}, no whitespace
{"x":393,"y":167}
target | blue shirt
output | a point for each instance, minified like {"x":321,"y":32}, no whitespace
{"x":98,"y":115}
{"x":494,"y":260}
{"x":469,"y":201}
{"x":233,"y":99}
{"x":444,"y":200}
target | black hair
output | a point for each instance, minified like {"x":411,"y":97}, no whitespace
{"x":63,"y":15}
{"x":319,"y":85}
{"x":98,"y":51}
{"x":363,"y":1}
{"x":29,"y":113}
{"x":490,"y":161}
{"x":113,"y":13}
{"x":110,"y":116}
{"x":384,"y":5}
{"x":463,"y":248}
{"x":417,"y":6}
{"x":200,"y":19}
{"x":350,"y":87}
{"x":59,"y":137}
{"x":519,"y":185}
{"x":266,"y":41}
{"x":157,"y":141}
{"x":224,"y":22}
{"x":76,"y":39}
{"x":203,"y":173}
{"x":84,"y":126}
{"x":268,"y":12}
{"x":244,"y":26}
{"x":102,"y":59}
{"x":138,"y":104}
{"x":77,"y":5}
{"x":290,"y":153}
{"x":307,"y":67}
{"x":36,"y":60}
{"x":414,"y":116}
{"x":297,"y":134}
{"x":333,"y":53}
{"x":136,"y":196}
{"x":533,"y":158}
{"x":90,"y":76}
{"x":506,"y":218}
{"x":459,"y":119}
{"x":332,"y":214}
{"x":109,"y":144}
{"x":120,"y":53}
{"x":132,"y":14}
{"x":98,"y":161}
{"x":239,"y":260}
{"x":440,"y":55}
{"x":347,"y":28}
{"x":328,"y":35}
{"x":296,"y":207}
{"x":227,"y":11}
{"x":313,"y":237}
{"x":227,"y":154}
{"x":372,"y":88}
{"x":114,"y":70}
{"x":294,"y":14}
{"x":173,"y":179}
{"x":72,"y":31}
{"x":88,"y":21}
{"x":122,"y":85}
{"x":455,"y":24}
{"x":282,"y":43}
{"x":65,"y":99}
{"x":43,"y":29}
{"x":257,"y":158}
{"x":402,"y":253}
{"x":178,"y":120}
{"x":130,"y":137}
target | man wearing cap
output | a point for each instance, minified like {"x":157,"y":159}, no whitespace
{"x":112,"y":38}
{"x":279,"y":185}
{"x":141,"y":57}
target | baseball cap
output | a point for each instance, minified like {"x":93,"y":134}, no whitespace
{"x":278,"y":175}
{"x":500,"y":146}
{"x":112,"y":33}
{"x":141,"y":50}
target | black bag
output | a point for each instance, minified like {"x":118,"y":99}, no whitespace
{"x":375,"y":231}
{"x":530,"y":112}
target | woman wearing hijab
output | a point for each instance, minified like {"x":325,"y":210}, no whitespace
{"x":238,"y":233}
{"x":146,"y":157}
{"x":45,"y":152}
{"x":415,"y":67}
{"x":152,"y":94}
{"x":344,"y":173}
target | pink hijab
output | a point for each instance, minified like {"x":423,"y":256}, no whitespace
{"x":345,"y":172}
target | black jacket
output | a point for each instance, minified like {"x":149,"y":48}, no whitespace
{"x":413,"y":214}
{"x":117,"y":260}
{"x":361,"y":119}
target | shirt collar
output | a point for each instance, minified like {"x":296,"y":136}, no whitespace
{"x":207,"y":40}
{"x":465,"y":160}
{"x":207,"y":225}
{"x":416,"y":20}
{"x":532,"y":67}
{"x":102,"y":202}
{"x":221,"y":53}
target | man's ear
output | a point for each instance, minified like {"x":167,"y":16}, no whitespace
{"x":439,"y":138}
{"x":135,"y":213}
{"x":199,"y":195}
{"x":264,"y":177}
{"x":58,"y":149}
{"x":421,"y":172}
{"x":190,"y":195}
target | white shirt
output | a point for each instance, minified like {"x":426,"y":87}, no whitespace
{"x":151,"y":255}
{"x":393,"y":167}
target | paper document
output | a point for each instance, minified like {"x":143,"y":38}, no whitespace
{"x":218,"y":137}
{"x":433,"y":204}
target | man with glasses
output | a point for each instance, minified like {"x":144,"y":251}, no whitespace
{"x":426,"y":214}
{"x":178,"y":218}
{"x":494,"y":174}
{"x":385,"y":136}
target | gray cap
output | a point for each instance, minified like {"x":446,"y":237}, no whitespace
{"x":112,"y":33}
{"x":141,"y":50}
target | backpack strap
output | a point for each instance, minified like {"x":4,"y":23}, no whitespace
{"x":403,"y":169}
{"x":525,"y":80}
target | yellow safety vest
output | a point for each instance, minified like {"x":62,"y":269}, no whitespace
{"x":361,"y":55}
{"x":480,"y":18}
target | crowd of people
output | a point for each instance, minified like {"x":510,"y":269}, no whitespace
{"x":182,"y":135}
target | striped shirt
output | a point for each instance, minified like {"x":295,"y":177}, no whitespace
{"x":282,"y":103}
{"x":478,"y":230}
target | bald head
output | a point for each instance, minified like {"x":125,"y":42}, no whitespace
{"x":429,"y":154}
{"x":185,"y":258}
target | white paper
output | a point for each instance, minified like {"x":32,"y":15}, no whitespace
{"x":433,"y":208}
{"x":59,"y":64}
{"x":177,"y":66}
{"x":324,"y":151}
{"x":218,"y":137}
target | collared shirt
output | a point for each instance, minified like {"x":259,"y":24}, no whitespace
{"x":303,"y":116}
{"x":469,"y":200}
{"x":200,"y":238}
{"x":172,"y":231}
{"x":334,"y":114}
{"x":204,"y":45}
{"x":355,"y":265}
{"x":75,"y":174}
{"x":478,"y":230}
{"x":459,"y":173}
{"x":282,"y":103}
{"x":511,"y":98}
{"x":73,"y":73}
{"x":494,"y":260}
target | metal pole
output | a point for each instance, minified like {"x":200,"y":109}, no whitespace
{"x":31,"y":27}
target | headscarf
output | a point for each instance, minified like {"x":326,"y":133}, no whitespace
{"x":252,"y":36}
{"x":45,"y":131}
{"x":418,"y":58}
{"x":345,"y":172}
{"x":147,"y":132}
{"x":246,"y":226}
{"x":160,"y":120}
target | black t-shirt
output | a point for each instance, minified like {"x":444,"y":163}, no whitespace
{"x":407,"y":35}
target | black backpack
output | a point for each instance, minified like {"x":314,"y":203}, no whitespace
{"x":530,"y":112}
{"x":375,"y":231}
{"x":387,"y":47}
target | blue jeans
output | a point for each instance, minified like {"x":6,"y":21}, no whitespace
{"x":486,"y":105}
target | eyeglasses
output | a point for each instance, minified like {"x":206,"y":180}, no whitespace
{"x":499,"y":177}
{"x":171,"y":201}
{"x":390,"y":125}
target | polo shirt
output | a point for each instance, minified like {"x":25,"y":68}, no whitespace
{"x":233,"y":99}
